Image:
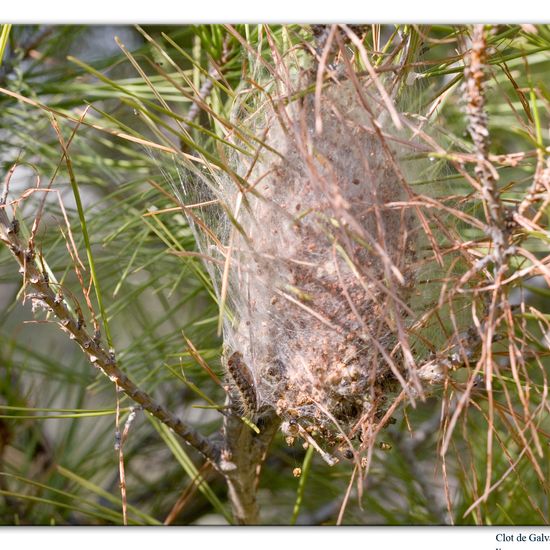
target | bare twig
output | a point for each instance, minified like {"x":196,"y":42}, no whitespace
{"x":540,"y":188}
{"x":474,"y":75}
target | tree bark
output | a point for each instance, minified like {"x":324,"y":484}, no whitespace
{"x":242,"y":459}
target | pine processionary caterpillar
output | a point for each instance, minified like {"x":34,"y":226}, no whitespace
{"x":243,"y":382}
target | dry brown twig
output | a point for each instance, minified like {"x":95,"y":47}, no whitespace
{"x":494,"y":266}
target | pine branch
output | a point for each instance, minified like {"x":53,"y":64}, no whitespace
{"x":44,"y":296}
{"x":474,"y":76}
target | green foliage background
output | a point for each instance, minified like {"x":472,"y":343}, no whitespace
{"x":57,"y":463}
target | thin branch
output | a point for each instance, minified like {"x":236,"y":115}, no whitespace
{"x":103,"y":360}
{"x":474,"y":76}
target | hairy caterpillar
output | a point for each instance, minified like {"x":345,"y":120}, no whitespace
{"x":243,"y":383}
